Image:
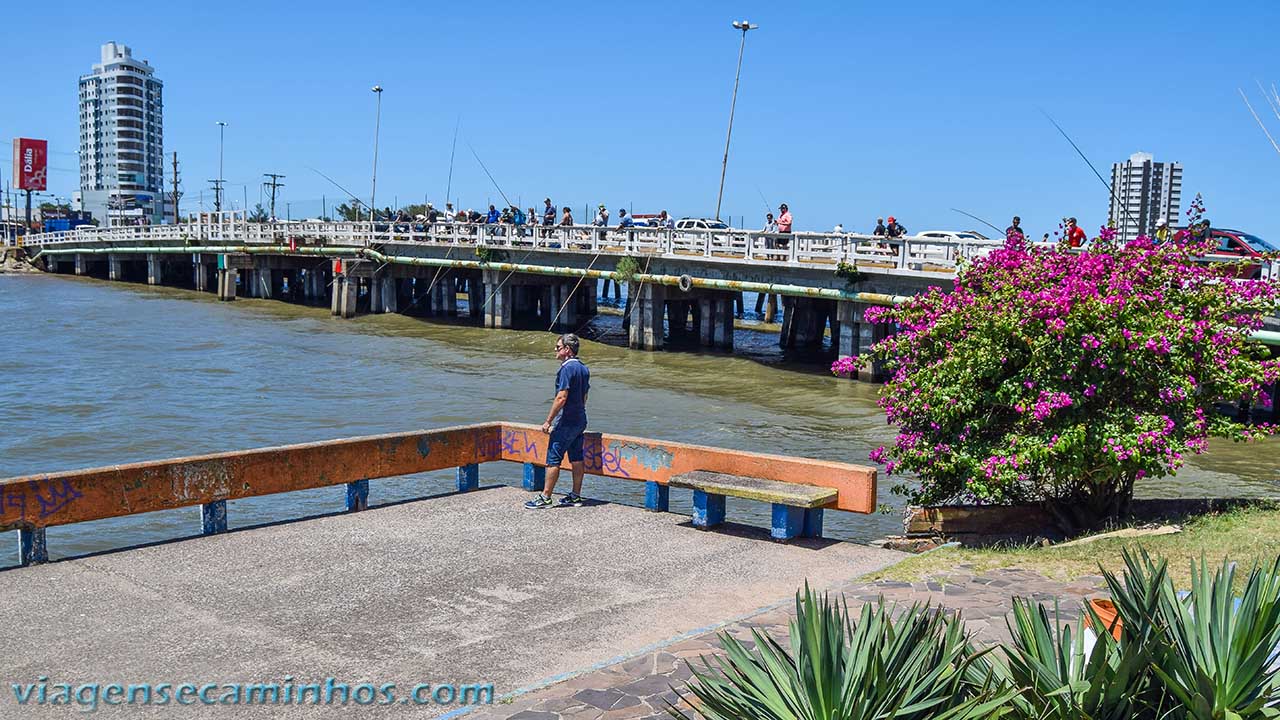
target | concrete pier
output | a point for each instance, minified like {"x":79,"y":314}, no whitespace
{"x":466,"y":588}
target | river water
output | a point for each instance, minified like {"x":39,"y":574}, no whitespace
{"x":99,"y":373}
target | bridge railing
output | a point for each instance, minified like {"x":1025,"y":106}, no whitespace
{"x":911,"y":254}
{"x":32,"y":503}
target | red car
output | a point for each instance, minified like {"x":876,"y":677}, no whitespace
{"x":1242,"y":245}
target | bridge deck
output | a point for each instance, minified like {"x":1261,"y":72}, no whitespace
{"x":466,"y":588}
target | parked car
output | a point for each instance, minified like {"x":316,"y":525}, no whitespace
{"x":1242,"y":245}
{"x":700,"y":224}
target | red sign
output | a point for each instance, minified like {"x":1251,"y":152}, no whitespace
{"x":30,"y":164}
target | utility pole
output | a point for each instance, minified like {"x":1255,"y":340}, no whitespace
{"x":274,"y":184}
{"x":217,"y":194}
{"x":176,"y":194}
{"x":744,"y":26}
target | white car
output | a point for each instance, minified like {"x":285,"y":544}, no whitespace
{"x":700,"y":224}
{"x":954,"y":240}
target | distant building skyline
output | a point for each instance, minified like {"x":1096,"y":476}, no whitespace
{"x":122,"y":139}
{"x":1143,"y":193}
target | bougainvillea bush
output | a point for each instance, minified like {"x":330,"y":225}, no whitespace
{"x":1063,"y":377}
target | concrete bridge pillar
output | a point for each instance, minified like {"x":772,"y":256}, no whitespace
{"x":444,"y":297}
{"x":114,"y":269}
{"x":564,"y":302}
{"x":498,"y":300}
{"x":804,"y":322}
{"x":382,"y":295}
{"x":854,"y":336}
{"x":646,"y":330}
{"x":81,"y":264}
{"x":201,"y":278}
{"x":155,"y":269}
{"x":347,"y":295}
{"x":227,"y":283}
{"x":475,"y":299}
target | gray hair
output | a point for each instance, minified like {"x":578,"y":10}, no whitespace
{"x":570,"y":341}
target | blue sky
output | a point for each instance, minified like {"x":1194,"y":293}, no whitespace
{"x":846,"y":110}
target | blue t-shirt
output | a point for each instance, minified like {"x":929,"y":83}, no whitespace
{"x":576,"y":378}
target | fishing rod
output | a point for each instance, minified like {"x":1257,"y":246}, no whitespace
{"x":486,"y":172}
{"x":975,"y":217}
{"x":1111,"y":191}
{"x":335,"y":184}
{"x":449,"y":189}
{"x":767,"y":207}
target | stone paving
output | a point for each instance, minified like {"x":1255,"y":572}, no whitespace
{"x":640,"y":687}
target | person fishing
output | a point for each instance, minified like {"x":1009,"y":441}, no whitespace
{"x":566,"y":423}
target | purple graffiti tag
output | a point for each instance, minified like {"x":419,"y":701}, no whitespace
{"x":59,"y":497}
{"x":16,"y":499}
{"x":519,"y":442}
{"x":602,"y":461}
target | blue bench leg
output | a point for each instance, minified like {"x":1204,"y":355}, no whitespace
{"x":788,"y":521}
{"x":32,"y":549}
{"x":657,"y":497}
{"x":812,"y":523}
{"x":535,"y":477}
{"x":213,"y":517}
{"x":468,"y":478}
{"x":708,"y":509}
{"x":357,"y":495}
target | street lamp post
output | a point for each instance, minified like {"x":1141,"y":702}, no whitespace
{"x":377,"y":124}
{"x":744,"y":26}
{"x":217,"y":197}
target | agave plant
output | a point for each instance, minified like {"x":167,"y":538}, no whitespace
{"x":1065,"y":680}
{"x":1220,"y":653}
{"x":916,"y":665}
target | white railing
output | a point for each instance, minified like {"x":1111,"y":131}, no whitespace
{"x":926,"y":255}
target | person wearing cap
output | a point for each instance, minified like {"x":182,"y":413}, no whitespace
{"x":666,"y":221}
{"x":784,"y":224}
{"x":548,"y":213}
{"x":624,"y":220}
{"x":893,"y":229}
{"x":1162,"y":231}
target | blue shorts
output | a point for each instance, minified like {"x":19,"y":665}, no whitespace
{"x":565,"y":439}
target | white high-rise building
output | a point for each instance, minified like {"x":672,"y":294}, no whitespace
{"x":122,"y":140}
{"x":1144,"y":192}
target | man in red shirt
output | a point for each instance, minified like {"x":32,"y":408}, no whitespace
{"x":1075,"y":236}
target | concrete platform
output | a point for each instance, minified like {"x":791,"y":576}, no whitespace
{"x":458,"y":589}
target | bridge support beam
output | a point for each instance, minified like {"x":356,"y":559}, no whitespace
{"x":81,"y":264}
{"x":715,"y":321}
{"x":201,"y":278}
{"x":646,"y":330}
{"x":155,"y":269}
{"x":346,"y":294}
{"x":382,"y":294}
{"x":804,"y":322}
{"x":227,"y":283}
{"x":115,"y":269}
{"x":853,"y":336}
{"x":498,"y":300}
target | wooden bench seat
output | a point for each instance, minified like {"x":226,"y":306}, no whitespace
{"x":797,"y":508}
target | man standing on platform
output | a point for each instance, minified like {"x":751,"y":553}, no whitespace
{"x":566,"y":422}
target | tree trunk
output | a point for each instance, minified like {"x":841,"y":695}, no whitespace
{"x":1092,"y":508}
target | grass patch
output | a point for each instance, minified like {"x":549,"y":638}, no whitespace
{"x":1246,"y":536}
